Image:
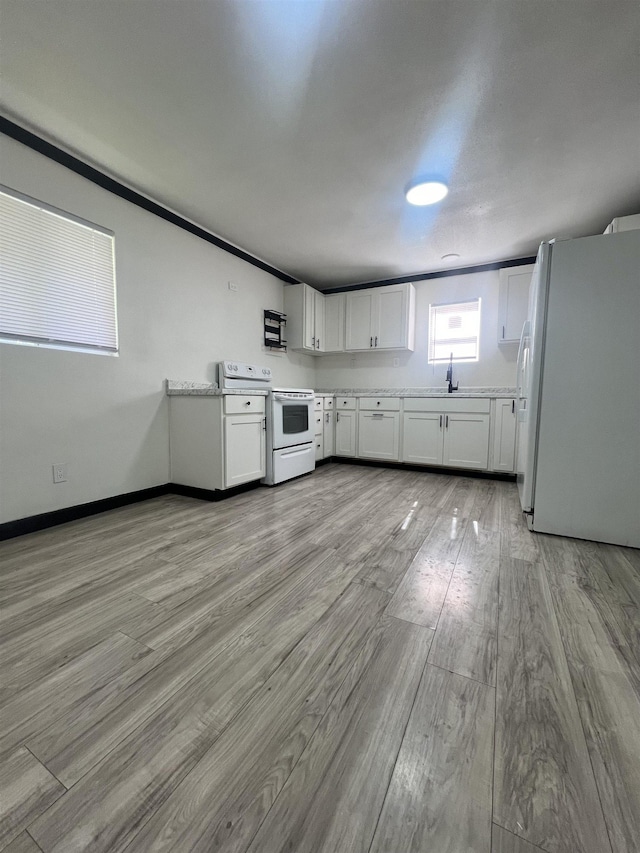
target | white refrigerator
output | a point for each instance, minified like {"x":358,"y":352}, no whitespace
{"x":578,"y":468}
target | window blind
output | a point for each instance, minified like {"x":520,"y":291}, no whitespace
{"x":454,"y":328}
{"x":57,"y":278}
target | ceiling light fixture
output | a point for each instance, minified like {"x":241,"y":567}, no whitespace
{"x":426,"y":192}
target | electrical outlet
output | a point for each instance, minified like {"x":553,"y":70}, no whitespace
{"x":396,"y":362}
{"x":59,"y":473}
{"x":232,"y":285}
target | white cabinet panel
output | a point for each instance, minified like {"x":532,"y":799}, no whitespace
{"x":466,"y":441}
{"x":328,"y":434}
{"x":244,"y":449}
{"x":422,"y":438}
{"x":334,"y":320}
{"x":379,"y":435}
{"x":393,"y":318}
{"x":359,"y":320}
{"x":504,"y":436}
{"x":304,"y":307}
{"x":513,"y":301}
{"x":346,"y":433}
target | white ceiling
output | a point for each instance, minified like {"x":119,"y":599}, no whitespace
{"x":291,"y":127}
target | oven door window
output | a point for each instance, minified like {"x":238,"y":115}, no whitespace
{"x":295,"y":418}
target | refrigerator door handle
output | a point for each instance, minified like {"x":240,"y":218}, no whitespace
{"x":519,"y":361}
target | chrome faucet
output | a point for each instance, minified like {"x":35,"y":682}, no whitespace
{"x":452,"y":387}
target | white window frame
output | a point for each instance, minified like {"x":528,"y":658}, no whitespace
{"x":57,"y":278}
{"x":471,"y":307}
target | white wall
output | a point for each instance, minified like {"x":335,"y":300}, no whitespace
{"x":495,"y":367}
{"x":107,"y":418}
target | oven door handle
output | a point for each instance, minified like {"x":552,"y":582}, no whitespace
{"x":286,"y":398}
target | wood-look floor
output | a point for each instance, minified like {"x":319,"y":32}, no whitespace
{"x":365,"y":660}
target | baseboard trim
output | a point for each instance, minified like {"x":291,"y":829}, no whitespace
{"x":32,"y":523}
{"x":426,"y":469}
{"x":211,"y":494}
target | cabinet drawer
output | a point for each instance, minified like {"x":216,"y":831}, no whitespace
{"x":328,"y":403}
{"x":380,"y":404}
{"x":238,"y":404}
{"x":317,"y":404}
{"x":318,"y":419}
{"x":345,"y":403}
{"x":448,"y":405}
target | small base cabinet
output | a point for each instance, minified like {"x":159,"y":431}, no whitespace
{"x":446,"y":432}
{"x":328,"y":429}
{"x":379,"y":429}
{"x":217,"y":442}
{"x":318,"y":432}
{"x":346,"y":426}
{"x":503,"y":419}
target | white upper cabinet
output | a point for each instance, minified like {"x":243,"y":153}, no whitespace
{"x":334,"y":308}
{"x":380,"y":318}
{"x":359,"y":320}
{"x":304,"y":308}
{"x":513,"y":301}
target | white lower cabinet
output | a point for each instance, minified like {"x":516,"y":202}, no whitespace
{"x":379,"y":428}
{"x":379,"y":435}
{"x":442,"y":433}
{"x":422,"y":438}
{"x":318,"y":433}
{"x":503,"y":420}
{"x":346,"y":426}
{"x":466,"y":441}
{"x":217,"y":442}
{"x":244,"y":449}
{"x":329,"y":435}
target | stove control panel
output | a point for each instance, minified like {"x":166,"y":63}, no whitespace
{"x":238,"y":370}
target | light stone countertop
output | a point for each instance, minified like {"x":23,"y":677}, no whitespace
{"x":417,"y":392}
{"x":179,"y":387}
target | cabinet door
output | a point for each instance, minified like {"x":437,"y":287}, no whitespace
{"x":359,"y":334}
{"x":504,"y":436}
{"x":346,"y":433}
{"x":244,"y":449}
{"x":466,"y":441}
{"x":379,"y":435}
{"x":422,"y":437}
{"x":392,"y":317}
{"x":309,"y":317}
{"x":513,"y":302}
{"x":329,"y":435}
{"x":334,"y":306}
{"x":318,"y":320}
